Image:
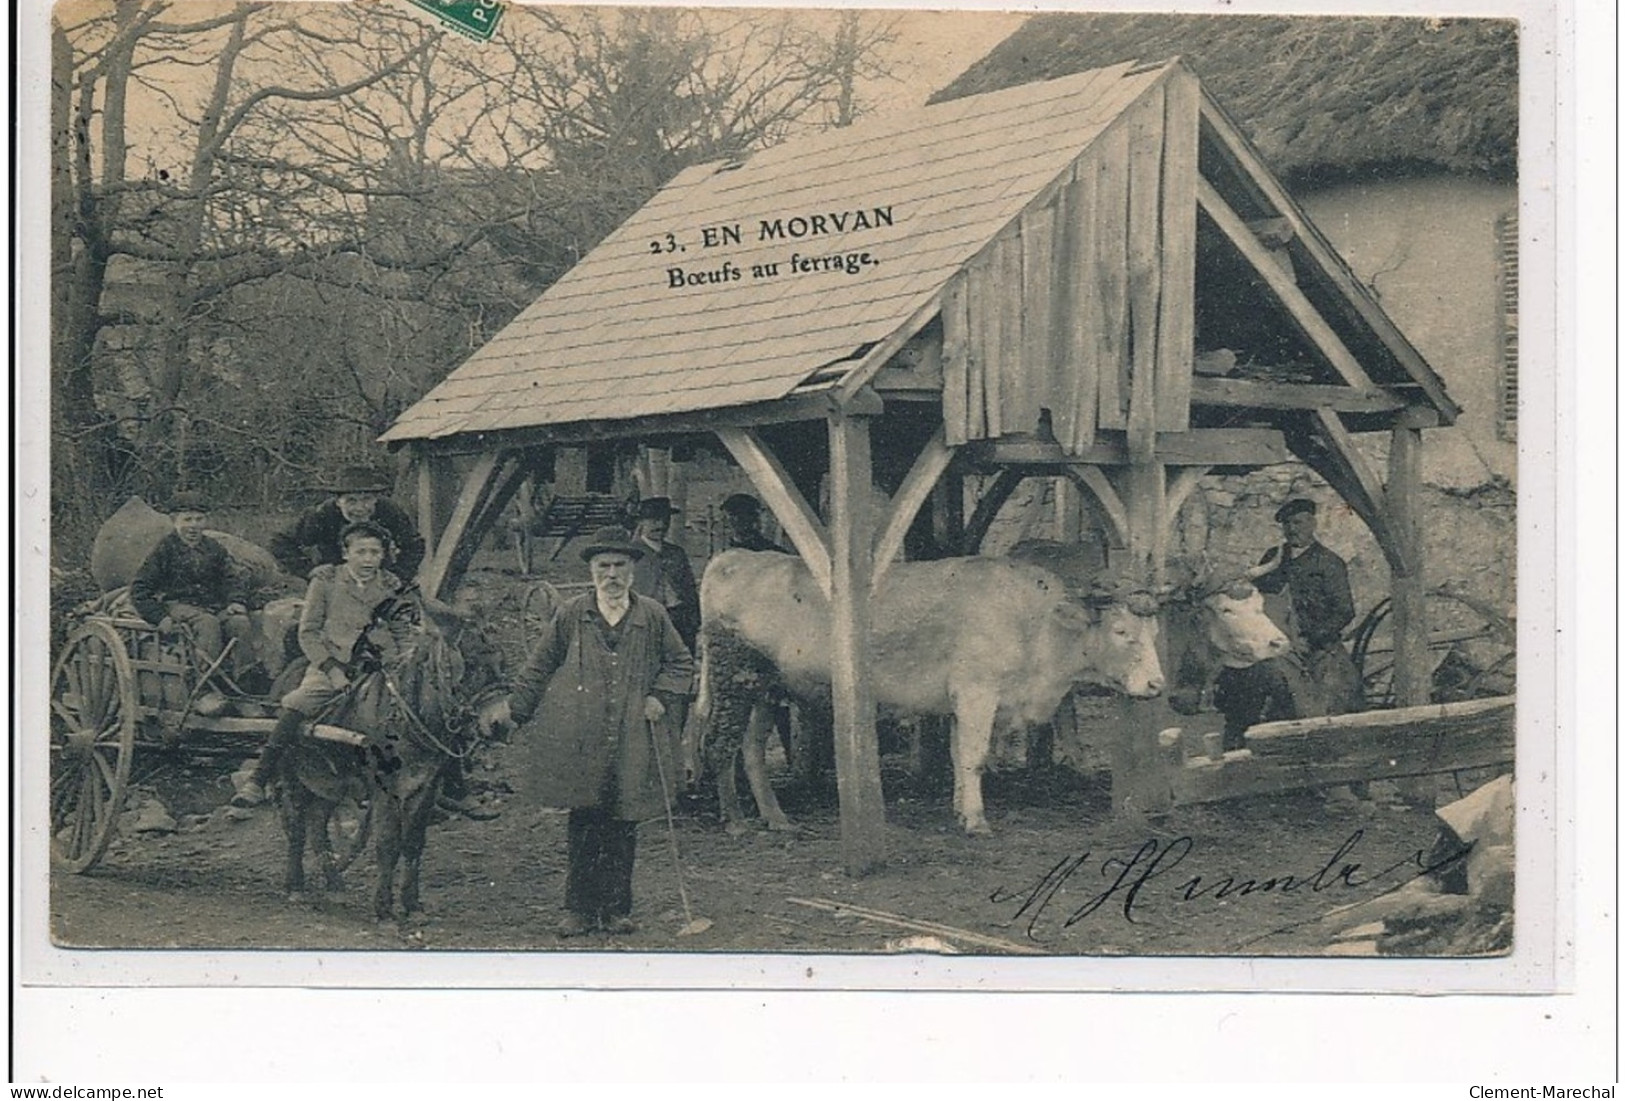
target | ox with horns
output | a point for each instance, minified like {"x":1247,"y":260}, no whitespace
{"x":984,"y":640}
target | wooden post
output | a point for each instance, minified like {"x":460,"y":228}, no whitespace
{"x":436,"y":491}
{"x":1411,"y":669}
{"x":1140,"y":780}
{"x":948,"y":513}
{"x":857,"y":747}
{"x":1068,"y":511}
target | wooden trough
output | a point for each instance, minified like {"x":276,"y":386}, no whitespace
{"x":1339,"y":749}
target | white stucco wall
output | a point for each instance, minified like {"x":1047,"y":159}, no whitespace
{"x":1428,"y":248}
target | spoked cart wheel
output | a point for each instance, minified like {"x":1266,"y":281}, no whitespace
{"x":94,"y":715}
{"x":1471,"y":649}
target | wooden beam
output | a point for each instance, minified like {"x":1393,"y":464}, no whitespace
{"x":511,"y":473}
{"x":857,"y":747}
{"x":436,"y":572}
{"x":1144,"y":269}
{"x":1412,"y":682}
{"x":1233,"y":146}
{"x":807,"y":406}
{"x":800,"y":524}
{"x":850,"y":389}
{"x":1371,"y":745}
{"x":1093,"y":479}
{"x":1198,"y":447}
{"x":1298,"y":307}
{"x":1180,"y":487}
{"x":1250,"y":394}
{"x":1318,"y":456}
{"x":988,"y":507}
{"x":1176,"y":326}
{"x":1356,"y":470}
{"x":948,"y":512}
{"x":907,"y":501}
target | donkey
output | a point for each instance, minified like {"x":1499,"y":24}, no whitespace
{"x":404,"y":724}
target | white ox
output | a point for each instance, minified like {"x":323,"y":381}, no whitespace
{"x":985,"y":640}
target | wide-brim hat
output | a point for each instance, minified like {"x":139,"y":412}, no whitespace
{"x":611,"y":540}
{"x":360,"y":479}
{"x":655,"y":508}
{"x":1294,"y":507}
{"x":188,"y":501}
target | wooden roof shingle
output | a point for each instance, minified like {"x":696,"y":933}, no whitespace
{"x":613,"y":340}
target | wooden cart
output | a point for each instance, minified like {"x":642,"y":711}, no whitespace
{"x":122,"y":690}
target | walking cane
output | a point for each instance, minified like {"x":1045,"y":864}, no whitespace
{"x":692,"y":926}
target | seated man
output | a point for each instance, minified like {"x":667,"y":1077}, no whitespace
{"x":314,"y":540}
{"x":339,"y":607}
{"x":188,"y":580}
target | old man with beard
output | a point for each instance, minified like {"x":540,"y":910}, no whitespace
{"x":591,"y":703}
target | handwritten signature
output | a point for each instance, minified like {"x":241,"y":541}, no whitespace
{"x":1154,"y":862}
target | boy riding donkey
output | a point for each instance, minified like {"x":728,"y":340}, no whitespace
{"x":341,"y":606}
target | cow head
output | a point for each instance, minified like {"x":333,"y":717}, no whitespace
{"x":1237,"y":629}
{"x":1214,"y":626}
{"x":1122,"y":646}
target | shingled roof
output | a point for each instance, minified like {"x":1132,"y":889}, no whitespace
{"x":919,"y":193}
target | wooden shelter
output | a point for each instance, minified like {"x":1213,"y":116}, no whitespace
{"x":1035,"y":282}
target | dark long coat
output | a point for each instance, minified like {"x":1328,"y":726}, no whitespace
{"x":579,"y":706}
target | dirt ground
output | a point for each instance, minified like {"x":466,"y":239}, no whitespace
{"x":1061,"y":875}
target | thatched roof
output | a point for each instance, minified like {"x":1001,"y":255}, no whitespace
{"x":1319,"y":96}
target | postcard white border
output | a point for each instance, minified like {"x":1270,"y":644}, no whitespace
{"x":60,"y":992}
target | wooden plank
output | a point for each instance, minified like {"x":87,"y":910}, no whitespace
{"x":1093,"y":479}
{"x":1299,"y":309}
{"x":906,"y":502}
{"x":800,"y":524}
{"x":1409,"y":591}
{"x":955,"y":360}
{"x":1176,"y":325}
{"x":988,"y":506}
{"x":1371,"y":745}
{"x":1034,"y":299}
{"x":1108,"y":283}
{"x":1234,"y":148}
{"x":857,"y":747}
{"x":1198,"y":447}
{"x":999,"y":345}
{"x":1248,"y":394}
{"x":1073,"y":381}
{"x":1144,"y":268}
{"x":1320,"y":737}
{"x":435,"y":575}
{"x":978,"y":288}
